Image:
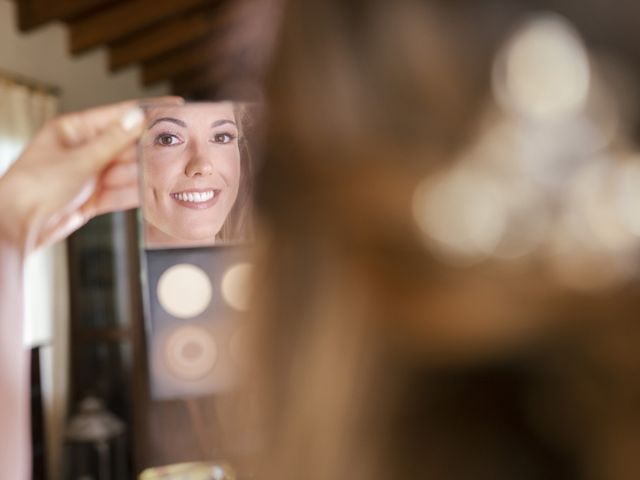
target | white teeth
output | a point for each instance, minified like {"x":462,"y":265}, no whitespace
{"x":197,"y":197}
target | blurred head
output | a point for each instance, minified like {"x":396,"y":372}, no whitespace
{"x":362,"y":109}
{"x":373,"y":346}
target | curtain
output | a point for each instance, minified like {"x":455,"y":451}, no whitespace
{"x":23,"y":110}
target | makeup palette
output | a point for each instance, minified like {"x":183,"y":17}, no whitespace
{"x":195,"y":223}
{"x":196,"y":297}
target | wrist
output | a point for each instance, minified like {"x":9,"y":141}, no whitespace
{"x":16,"y":216}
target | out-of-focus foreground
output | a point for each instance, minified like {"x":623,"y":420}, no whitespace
{"x":450,"y":284}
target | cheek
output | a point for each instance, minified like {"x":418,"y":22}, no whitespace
{"x":162,"y":171}
{"x":229,"y":168}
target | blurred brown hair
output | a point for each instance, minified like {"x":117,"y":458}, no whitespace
{"x":376,"y":360}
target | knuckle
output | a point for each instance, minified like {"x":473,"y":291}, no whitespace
{"x":57,"y":124}
{"x":68,"y":128}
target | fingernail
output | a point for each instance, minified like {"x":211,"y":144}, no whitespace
{"x":132,"y":119}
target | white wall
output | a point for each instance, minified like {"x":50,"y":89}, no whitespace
{"x":43,"y":55}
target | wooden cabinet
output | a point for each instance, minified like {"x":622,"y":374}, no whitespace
{"x":103,"y":302}
{"x":108,"y":353}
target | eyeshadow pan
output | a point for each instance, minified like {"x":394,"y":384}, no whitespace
{"x":190,"y":352}
{"x":184,"y":290}
{"x":235,"y":285}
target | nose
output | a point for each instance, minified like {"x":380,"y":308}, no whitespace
{"x":199,"y":162}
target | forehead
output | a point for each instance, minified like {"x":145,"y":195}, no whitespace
{"x":194,"y":112}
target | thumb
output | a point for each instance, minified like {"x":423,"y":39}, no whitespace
{"x":97,"y":153}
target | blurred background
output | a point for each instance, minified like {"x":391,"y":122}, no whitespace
{"x":551,"y":178}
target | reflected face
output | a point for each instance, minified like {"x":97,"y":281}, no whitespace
{"x":191,"y":165}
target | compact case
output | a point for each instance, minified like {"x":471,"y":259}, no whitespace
{"x":193,"y":295}
{"x":193,"y":319}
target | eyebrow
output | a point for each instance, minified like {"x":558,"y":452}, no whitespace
{"x":215,"y":124}
{"x":168,"y":119}
{"x":223,"y":121}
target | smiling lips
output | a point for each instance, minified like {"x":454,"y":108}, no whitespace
{"x":196,"y":199}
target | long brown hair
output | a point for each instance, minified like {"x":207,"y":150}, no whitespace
{"x":238,"y":227}
{"x":376,"y":360}
{"x":364,"y":98}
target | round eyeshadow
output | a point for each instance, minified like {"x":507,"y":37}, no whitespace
{"x":190,"y":352}
{"x":235,"y":285}
{"x":184,"y":291}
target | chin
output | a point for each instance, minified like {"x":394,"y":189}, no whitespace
{"x":196,"y":235}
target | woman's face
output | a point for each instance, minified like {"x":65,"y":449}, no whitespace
{"x":191,"y":164}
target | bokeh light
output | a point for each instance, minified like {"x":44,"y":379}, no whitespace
{"x":552,"y":171}
{"x":627,"y":195}
{"x":544,"y":71}
{"x":463,"y":212}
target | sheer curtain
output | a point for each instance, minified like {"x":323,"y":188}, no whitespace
{"x":23,"y":110}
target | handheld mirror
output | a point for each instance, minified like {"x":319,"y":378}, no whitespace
{"x":196,"y":226}
{"x":196,"y":175}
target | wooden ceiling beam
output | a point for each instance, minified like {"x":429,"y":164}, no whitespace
{"x":227,"y":81}
{"x":34,"y":13}
{"x":168,"y":37}
{"x":210,"y":94}
{"x":208,"y":79}
{"x":125,"y":19}
{"x":183,"y":61}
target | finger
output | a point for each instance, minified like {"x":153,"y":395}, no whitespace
{"x":164,"y":100}
{"x":74,"y":129}
{"x":129,"y":155}
{"x":120,"y":175}
{"x":114,"y":200}
{"x":92,"y":157}
{"x":61,"y":229}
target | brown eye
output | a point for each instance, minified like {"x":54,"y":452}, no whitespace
{"x":223,"y":138}
{"x":167,"y":140}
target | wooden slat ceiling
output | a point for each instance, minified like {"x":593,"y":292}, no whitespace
{"x":193,"y":44}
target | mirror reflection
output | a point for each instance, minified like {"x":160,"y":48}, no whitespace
{"x":196,"y":175}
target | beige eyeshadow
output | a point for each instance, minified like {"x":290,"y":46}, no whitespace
{"x":190,"y":352}
{"x":184,"y":290}
{"x":236,"y":284}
